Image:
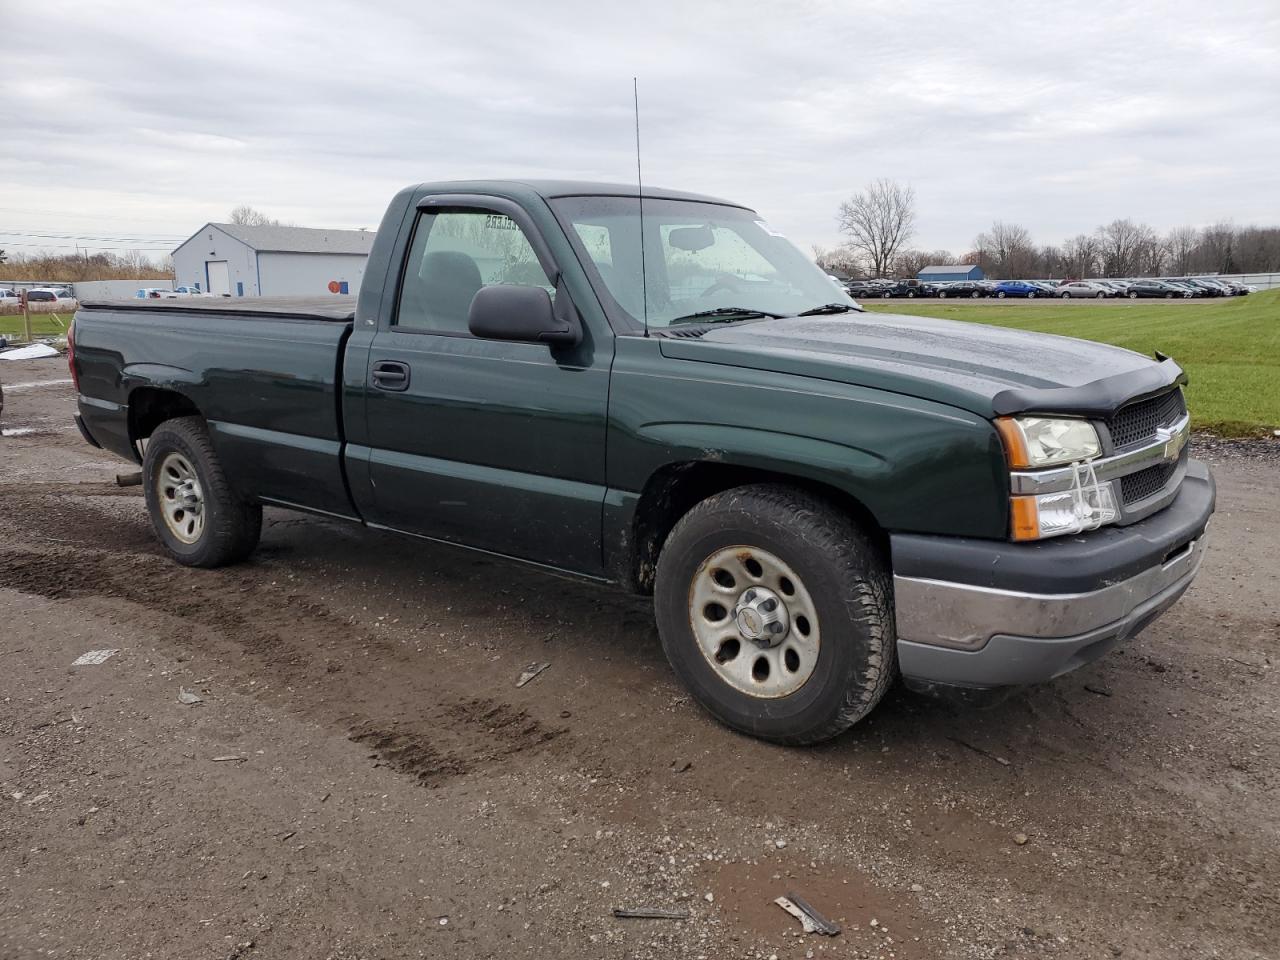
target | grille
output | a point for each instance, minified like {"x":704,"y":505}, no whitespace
{"x":1137,"y":422}
{"x":1149,"y":481}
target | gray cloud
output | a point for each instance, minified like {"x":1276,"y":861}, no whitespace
{"x":154,"y":118}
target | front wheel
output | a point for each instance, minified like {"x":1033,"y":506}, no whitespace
{"x":942,"y":294}
{"x":1099,"y":296}
{"x":1031,"y":296}
{"x":975,"y":294}
{"x":1133,"y":296}
{"x":1066,"y":296}
{"x":775,"y":611}
{"x":198,"y":518}
{"x":1000,"y":295}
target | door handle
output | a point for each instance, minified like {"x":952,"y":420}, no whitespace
{"x":390,"y":375}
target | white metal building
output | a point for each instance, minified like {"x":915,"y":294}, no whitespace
{"x":227,"y":258}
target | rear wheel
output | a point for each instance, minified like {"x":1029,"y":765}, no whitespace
{"x":196,"y":515}
{"x":942,"y":294}
{"x":774,"y":610}
{"x":1133,"y":296}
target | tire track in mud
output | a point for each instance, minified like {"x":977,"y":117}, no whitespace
{"x":300,"y":646}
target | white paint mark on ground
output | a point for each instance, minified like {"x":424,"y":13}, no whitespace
{"x":17,"y":431}
{"x":34,"y":384}
{"x":93,"y":658}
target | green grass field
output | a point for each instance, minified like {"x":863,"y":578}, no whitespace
{"x":1230,"y":348}
{"x":42,"y":324}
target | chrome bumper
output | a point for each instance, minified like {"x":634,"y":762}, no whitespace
{"x":975,"y":615}
{"x":966,"y":617}
{"x":953,"y":635}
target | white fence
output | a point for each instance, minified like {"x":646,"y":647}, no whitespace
{"x":1263,"y":281}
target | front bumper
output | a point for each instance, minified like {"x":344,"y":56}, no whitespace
{"x":982,"y":614}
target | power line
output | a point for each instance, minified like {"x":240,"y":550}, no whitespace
{"x":5,"y":244}
{"x":76,"y":236}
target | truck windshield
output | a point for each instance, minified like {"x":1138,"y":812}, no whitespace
{"x":699,"y":259}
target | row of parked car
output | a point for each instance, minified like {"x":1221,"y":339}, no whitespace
{"x":1167,"y":288}
{"x":38,"y":295}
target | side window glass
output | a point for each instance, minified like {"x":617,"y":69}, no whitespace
{"x":453,"y":254}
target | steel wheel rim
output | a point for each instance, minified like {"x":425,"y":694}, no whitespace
{"x":181,"y":498}
{"x":725,"y":634}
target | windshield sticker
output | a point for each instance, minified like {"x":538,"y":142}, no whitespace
{"x":767,"y":229}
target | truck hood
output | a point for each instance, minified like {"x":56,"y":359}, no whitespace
{"x":990,"y":371}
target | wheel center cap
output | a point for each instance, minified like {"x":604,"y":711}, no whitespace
{"x":761,"y":617}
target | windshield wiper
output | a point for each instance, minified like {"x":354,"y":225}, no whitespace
{"x":830,"y":308}
{"x":723,"y":315}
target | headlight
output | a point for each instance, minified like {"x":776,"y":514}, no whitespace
{"x":1069,"y":512}
{"x":1047,"y":441}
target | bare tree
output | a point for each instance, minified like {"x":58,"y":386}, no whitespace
{"x":1217,"y":248}
{"x":246,"y":216}
{"x":909,"y":263}
{"x":1006,"y":250}
{"x":878,"y":221}
{"x":1180,"y":245}
{"x":1080,"y":256}
{"x":1124,"y":247}
{"x":838,"y":260}
{"x":3,"y":258}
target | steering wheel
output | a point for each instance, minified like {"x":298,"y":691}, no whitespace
{"x":725,"y":282}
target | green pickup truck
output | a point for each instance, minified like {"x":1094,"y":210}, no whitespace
{"x":819,"y":500}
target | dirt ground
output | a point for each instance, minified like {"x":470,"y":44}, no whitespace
{"x":363,"y":779}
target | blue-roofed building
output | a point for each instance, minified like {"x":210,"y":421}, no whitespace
{"x":939,"y":273}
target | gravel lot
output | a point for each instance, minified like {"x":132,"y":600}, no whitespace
{"x":362,"y":778}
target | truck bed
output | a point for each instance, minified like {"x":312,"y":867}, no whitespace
{"x":338,"y":309}
{"x":263,"y":372}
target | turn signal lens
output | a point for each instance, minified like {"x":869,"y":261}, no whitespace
{"x":1024,"y":518}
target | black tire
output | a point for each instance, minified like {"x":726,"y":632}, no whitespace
{"x":230,"y":526}
{"x":841,"y":571}
{"x":1168,"y":296}
{"x":942,"y":294}
{"x":1133,"y":296}
{"x":886,"y":295}
{"x":1031,"y":296}
{"x":975,"y":294}
{"x":1001,"y":295}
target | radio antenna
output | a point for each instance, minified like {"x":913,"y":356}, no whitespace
{"x":644,"y":281}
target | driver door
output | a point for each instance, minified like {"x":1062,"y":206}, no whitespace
{"x":496,"y":445}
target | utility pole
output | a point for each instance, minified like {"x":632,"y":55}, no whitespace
{"x":26,"y":317}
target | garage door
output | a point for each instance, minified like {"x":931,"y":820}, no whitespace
{"x":219,"y":277}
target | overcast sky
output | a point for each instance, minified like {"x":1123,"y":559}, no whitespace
{"x":147,"y":119}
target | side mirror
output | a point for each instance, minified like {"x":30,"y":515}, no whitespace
{"x":523,"y":314}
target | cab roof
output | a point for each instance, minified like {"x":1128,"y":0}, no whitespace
{"x":552,"y":189}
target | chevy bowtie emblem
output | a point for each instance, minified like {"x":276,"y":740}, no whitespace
{"x":1174,"y":445}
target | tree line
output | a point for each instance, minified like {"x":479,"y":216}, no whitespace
{"x":879,"y":223}
{"x":71,"y":267}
